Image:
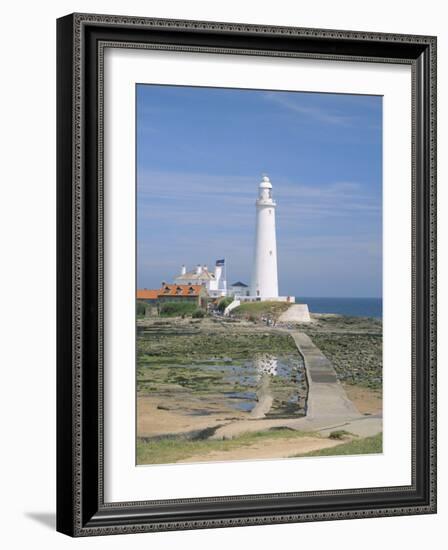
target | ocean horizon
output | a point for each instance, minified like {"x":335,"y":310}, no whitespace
{"x":356,"y":307}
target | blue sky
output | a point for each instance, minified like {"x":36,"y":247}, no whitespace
{"x":200,"y":156}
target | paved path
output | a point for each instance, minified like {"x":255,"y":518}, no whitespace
{"x":328,"y":407}
{"x":297,"y":313}
{"x":326,"y":396}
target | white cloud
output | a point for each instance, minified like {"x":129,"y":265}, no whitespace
{"x":232,"y":197}
{"x":316,"y":113}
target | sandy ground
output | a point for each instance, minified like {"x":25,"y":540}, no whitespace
{"x":277,"y":448}
{"x":183,"y":416}
{"x":365,"y":400}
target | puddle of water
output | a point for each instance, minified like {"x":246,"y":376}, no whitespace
{"x":241,"y":395}
{"x":245,"y":406}
{"x":234,"y":383}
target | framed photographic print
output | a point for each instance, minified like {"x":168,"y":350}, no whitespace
{"x":246,"y":274}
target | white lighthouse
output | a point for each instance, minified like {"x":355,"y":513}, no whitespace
{"x":264,"y":284}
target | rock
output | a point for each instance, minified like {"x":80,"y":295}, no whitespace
{"x":164,"y":407}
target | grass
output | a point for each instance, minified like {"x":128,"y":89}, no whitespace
{"x":167,"y":451}
{"x":367,"y":445}
{"x":258,"y":309}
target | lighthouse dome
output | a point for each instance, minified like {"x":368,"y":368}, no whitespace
{"x":265,"y":183}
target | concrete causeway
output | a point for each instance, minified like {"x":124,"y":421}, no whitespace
{"x":297,"y":313}
{"x":328,"y":407}
{"x":326,"y":396}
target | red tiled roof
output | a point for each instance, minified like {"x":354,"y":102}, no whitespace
{"x":169,"y":290}
{"x":145,"y":294}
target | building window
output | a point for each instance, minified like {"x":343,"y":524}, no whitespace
{"x":270,"y":252}
{"x":269,"y":211}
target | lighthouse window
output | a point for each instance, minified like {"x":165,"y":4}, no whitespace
{"x":269,"y":211}
{"x":270,"y":252}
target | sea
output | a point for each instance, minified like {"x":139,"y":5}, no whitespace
{"x":356,"y":307}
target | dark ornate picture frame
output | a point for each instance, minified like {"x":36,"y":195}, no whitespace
{"x":81,"y":509}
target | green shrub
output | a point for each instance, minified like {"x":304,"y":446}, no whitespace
{"x":177,"y":309}
{"x":141,"y":308}
{"x":339,"y":434}
{"x":198,"y":314}
{"x":224,"y":302}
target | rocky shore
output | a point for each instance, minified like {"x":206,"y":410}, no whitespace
{"x":354,"y":345}
{"x":196,"y":375}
